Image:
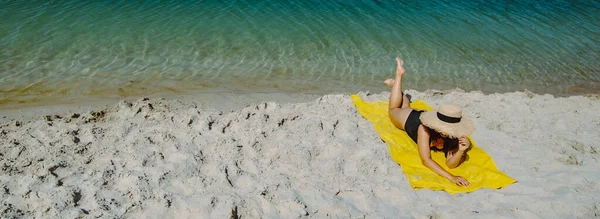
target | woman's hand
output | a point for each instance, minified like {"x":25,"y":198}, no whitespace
{"x":463,"y":143}
{"x":460,"y":181}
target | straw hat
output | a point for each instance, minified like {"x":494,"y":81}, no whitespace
{"x":448,"y":120}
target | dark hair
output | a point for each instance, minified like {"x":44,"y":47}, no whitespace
{"x":450,"y":144}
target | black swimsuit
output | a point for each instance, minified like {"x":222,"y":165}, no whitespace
{"x":412,"y":129}
{"x":412,"y":124}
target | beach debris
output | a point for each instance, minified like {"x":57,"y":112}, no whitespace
{"x":12,"y":212}
{"x":226,"y":126}
{"x":578,"y":146}
{"x":281,"y":122}
{"x":96,"y":116}
{"x":168,"y":198}
{"x":234,"y":213}
{"x":572,"y":160}
{"x":227,"y":177}
{"x":76,"y":197}
{"x":55,"y":167}
{"x":438,"y":93}
{"x":51,"y":118}
{"x":210,"y":123}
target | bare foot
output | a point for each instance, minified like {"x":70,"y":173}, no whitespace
{"x":389,"y":82}
{"x":399,"y":73}
{"x":400,"y":68}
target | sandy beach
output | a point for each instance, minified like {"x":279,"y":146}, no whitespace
{"x":314,"y":157}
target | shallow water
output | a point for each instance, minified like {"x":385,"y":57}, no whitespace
{"x":64,"y":49}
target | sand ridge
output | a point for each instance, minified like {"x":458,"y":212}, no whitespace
{"x":156,"y":158}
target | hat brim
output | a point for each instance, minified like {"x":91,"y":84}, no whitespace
{"x":455,"y":130}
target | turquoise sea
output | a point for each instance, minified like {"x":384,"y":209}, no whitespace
{"x":61,"y":49}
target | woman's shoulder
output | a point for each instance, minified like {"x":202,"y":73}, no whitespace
{"x":423,"y":130}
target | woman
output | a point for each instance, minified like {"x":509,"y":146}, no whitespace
{"x":442,"y":130}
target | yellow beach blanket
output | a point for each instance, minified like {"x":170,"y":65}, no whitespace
{"x":479,"y":169}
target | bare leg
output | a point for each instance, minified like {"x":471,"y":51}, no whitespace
{"x":399,"y":106}
{"x":396,"y":97}
{"x":405,"y":99}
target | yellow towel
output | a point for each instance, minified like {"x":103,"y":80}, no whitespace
{"x":479,"y":169}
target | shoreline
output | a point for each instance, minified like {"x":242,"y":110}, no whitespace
{"x":89,"y":93}
{"x":211,"y":97}
{"x":163,"y":157}
{"x":220,"y":100}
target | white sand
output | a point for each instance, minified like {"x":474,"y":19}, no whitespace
{"x":171,"y":158}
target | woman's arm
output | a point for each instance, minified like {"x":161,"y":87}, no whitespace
{"x":456,"y":157}
{"x":425,"y":154}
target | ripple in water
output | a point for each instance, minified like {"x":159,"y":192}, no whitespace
{"x":63,"y":49}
